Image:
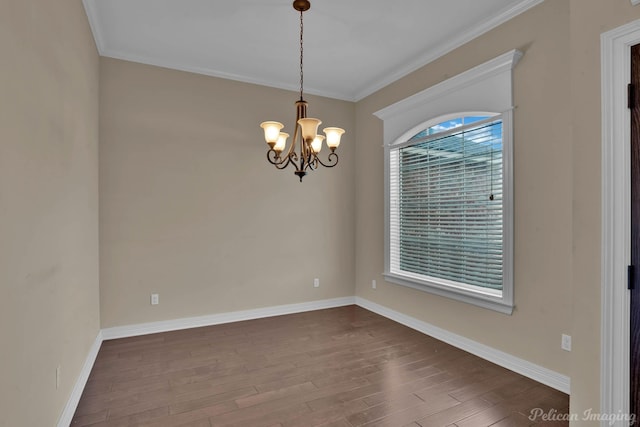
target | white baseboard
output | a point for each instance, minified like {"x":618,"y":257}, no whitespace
{"x":521,"y":366}
{"x":217,"y":319}
{"x":78,"y":388}
{"x":184,"y":323}
{"x":535,"y":372}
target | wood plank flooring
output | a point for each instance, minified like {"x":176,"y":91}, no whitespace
{"x":341,"y":367}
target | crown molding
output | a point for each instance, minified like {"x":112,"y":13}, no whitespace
{"x":356,"y":95}
{"x":92,"y":17}
{"x":452,"y":44}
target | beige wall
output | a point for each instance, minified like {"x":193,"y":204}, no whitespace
{"x":49,"y":312}
{"x":588,"y":20}
{"x":557,"y":191}
{"x":190,"y":208}
{"x":543,"y":206}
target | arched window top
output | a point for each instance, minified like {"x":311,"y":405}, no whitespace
{"x":486,"y":87}
{"x":447,"y":123}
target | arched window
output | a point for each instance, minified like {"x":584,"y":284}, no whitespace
{"x":449,"y":219}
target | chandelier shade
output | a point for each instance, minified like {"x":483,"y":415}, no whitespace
{"x":306,"y":143}
{"x":281,"y":142}
{"x":333,"y":137}
{"x":309,"y":128}
{"x":316,"y":145}
{"x":271,"y":131}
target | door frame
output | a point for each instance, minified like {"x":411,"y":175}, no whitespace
{"x":616,"y":218}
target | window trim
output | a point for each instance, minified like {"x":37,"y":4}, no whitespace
{"x":485,"y":88}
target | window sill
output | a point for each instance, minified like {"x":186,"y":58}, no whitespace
{"x":485,"y":301}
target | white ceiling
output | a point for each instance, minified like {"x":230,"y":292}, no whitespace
{"x":351,"y":47}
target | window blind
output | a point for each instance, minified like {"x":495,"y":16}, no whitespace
{"x":446,"y":213}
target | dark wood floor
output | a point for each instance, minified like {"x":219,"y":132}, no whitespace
{"x":340,"y":367}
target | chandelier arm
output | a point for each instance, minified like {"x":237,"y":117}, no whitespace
{"x":272,"y":157}
{"x":306,"y":164}
{"x":312,"y":160}
{"x":306,"y":153}
{"x":312,"y":163}
{"x":332,"y":160}
{"x":283,"y":165}
{"x":303,"y":159}
{"x":292,"y":149}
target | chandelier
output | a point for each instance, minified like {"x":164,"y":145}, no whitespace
{"x":306,"y":144}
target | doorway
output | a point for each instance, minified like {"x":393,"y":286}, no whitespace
{"x":633,"y":278}
{"x":616,"y":228}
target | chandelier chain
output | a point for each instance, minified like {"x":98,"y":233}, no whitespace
{"x":301,"y":56}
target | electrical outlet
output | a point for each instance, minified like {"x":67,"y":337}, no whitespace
{"x":58,"y":369}
{"x":374,"y":285}
{"x":566,"y":342}
{"x":155,"y":299}
{"x":316,"y":283}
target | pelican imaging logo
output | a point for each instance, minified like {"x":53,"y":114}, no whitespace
{"x":540,"y":414}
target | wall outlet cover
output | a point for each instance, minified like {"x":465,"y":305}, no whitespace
{"x":566,"y":342}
